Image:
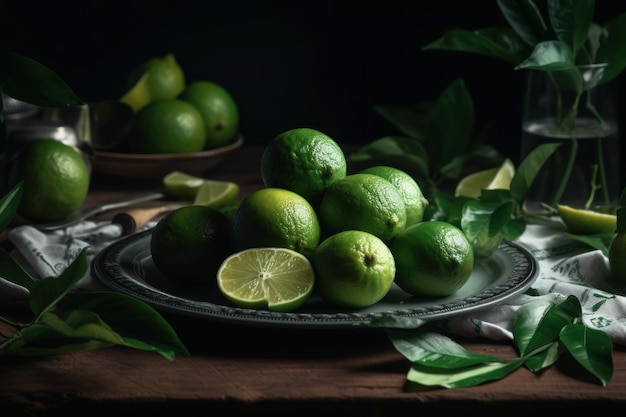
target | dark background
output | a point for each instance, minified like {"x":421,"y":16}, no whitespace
{"x":322,"y":64}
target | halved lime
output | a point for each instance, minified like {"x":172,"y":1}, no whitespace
{"x":213,"y":193}
{"x":276,"y":279}
{"x":586,"y":222}
{"x":489,"y":179}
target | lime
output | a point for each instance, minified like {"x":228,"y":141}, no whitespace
{"x":303,"y":160}
{"x":213,"y":193}
{"x":433,"y":259}
{"x":586,"y":222}
{"x":353,"y":269}
{"x":276,"y":279}
{"x":408,"y":188}
{"x":166,"y":126}
{"x":489,"y":179}
{"x":56,"y":180}
{"x":364,"y":202}
{"x":182,"y":186}
{"x":274,"y":217}
{"x":156,"y":79}
{"x":218,"y":109}
{"x":189,"y":244}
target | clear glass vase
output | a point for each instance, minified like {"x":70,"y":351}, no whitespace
{"x":580,"y":112}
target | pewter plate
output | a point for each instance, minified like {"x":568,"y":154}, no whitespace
{"x":126,"y":266}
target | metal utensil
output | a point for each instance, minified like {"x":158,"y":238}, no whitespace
{"x":91,"y":212}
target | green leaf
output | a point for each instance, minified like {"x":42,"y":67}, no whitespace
{"x":612,"y":49}
{"x":410,"y":120}
{"x":528,"y":169}
{"x":140,"y":325}
{"x":591,"y":348}
{"x":13,"y":272}
{"x":47,"y":292}
{"x":600,"y":241}
{"x":461,"y":377}
{"x":545,"y":358}
{"x":500,"y":43}
{"x":525,"y":18}
{"x":9,"y":204}
{"x":549,"y":56}
{"x":538,"y":323}
{"x":404,"y":153}
{"x":26,"y":79}
{"x":571,"y":20}
{"x":435,"y":350}
{"x":446,"y":140}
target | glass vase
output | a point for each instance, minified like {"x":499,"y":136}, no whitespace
{"x":578,"y":111}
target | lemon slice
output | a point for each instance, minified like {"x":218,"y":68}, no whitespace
{"x":214,"y":193}
{"x":489,"y":179}
{"x":586,"y":222}
{"x":276,"y":279}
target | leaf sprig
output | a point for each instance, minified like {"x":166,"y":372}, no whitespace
{"x":64,"y":323}
{"x":543,"y":331}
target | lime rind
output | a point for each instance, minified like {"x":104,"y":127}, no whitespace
{"x":277,"y":279}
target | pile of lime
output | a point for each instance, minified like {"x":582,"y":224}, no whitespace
{"x":172,"y":115}
{"x":315,"y":228}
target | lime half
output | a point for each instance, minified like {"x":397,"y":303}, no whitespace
{"x":276,"y":279}
{"x":586,"y":222}
{"x":489,"y":179}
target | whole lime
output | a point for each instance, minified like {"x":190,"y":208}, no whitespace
{"x":166,"y":126}
{"x":364,"y":202}
{"x":275,"y":217}
{"x":303,"y":160}
{"x":219,"y":111}
{"x":408,"y":188}
{"x":433,"y":259}
{"x":56,"y":180}
{"x":353,"y":269}
{"x":189,"y":244}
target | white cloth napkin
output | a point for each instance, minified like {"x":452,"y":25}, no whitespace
{"x":566,"y":267}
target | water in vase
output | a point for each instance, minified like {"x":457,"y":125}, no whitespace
{"x":598,"y":148}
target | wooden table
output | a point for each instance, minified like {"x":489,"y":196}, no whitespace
{"x":279,"y":372}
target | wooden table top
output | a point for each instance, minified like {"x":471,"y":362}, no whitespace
{"x":262,"y":370}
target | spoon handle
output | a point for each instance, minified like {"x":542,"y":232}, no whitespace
{"x":135,"y":219}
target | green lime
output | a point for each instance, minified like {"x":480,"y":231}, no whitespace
{"x":56,"y":180}
{"x":433,"y":259}
{"x":274,"y":217}
{"x":166,"y":126}
{"x":156,"y":79}
{"x":353,"y":269}
{"x":182,"y":186}
{"x":364,"y":202}
{"x":488,"y":179}
{"x":408,"y":188}
{"x":276,"y":279}
{"x":303,"y":160}
{"x":189,"y":244}
{"x":586,"y":222}
{"x":218,"y":109}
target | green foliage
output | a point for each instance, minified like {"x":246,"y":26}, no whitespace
{"x":543,"y":331}
{"x":63,"y":323}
